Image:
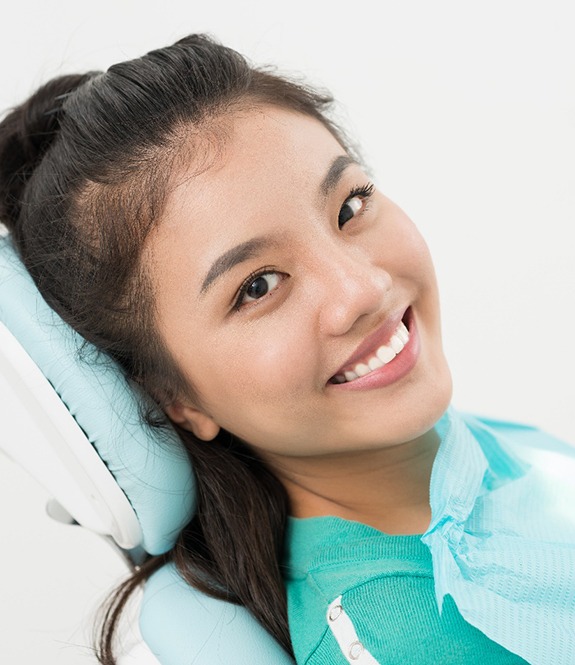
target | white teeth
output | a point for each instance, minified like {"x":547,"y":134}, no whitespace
{"x":375,"y":363}
{"x":384,"y":354}
{"x":361,"y":370}
{"x":402,"y":332}
{"x":396,"y":344}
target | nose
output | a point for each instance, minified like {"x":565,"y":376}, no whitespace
{"x":353,"y":287}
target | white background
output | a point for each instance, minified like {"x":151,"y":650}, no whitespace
{"x":465,"y":111}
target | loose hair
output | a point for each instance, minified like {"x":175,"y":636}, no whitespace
{"x":85,"y":170}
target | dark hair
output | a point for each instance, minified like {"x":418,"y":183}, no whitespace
{"x":85,"y":168}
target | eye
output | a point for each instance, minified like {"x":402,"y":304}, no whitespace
{"x":257,"y":286}
{"x":355,"y":202}
{"x":349,"y":209}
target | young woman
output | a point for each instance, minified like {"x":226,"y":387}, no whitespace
{"x":206,"y":224}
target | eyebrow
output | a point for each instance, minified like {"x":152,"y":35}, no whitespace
{"x":225,"y":262}
{"x":334,"y":173}
{"x":247,"y":250}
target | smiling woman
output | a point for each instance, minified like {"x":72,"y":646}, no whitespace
{"x":285,"y":256}
{"x":232,"y":254}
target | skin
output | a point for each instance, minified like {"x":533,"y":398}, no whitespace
{"x":262,"y":370}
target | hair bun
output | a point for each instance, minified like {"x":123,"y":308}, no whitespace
{"x":26,"y":133}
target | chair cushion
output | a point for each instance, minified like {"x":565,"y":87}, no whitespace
{"x":182,"y":625}
{"x":149,"y":465}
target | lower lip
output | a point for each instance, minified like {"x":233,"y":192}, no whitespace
{"x":394,"y":370}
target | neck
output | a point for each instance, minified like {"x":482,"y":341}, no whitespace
{"x":387,"y":489}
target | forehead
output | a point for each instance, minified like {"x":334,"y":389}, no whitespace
{"x":247,"y":158}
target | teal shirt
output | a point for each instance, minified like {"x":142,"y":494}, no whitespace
{"x":387,"y":589}
{"x":491,"y":581}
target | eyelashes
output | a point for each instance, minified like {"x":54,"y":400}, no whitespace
{"x":363,"y":191}
{"x":356,"y":202}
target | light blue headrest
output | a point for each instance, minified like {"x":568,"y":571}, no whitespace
{"x":149,"y":465}
{"x":182,"y":625}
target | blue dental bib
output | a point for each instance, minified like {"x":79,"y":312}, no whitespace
{"x":502,"y":534}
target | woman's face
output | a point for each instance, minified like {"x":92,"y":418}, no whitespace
{"x":281,"y":274}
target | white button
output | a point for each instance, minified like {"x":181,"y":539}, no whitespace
{"x":335,"y":612}
{"x":355,"y":650}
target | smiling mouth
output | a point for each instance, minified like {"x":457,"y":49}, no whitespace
{"x":377,"y":359}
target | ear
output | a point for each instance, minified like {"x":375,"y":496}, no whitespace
{"x":194,"y":420}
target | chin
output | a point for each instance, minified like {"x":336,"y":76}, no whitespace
{"x":436,"y":400}
{"x":428,"y":404}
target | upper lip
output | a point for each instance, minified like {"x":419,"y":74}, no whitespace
{"x":373,"y":341}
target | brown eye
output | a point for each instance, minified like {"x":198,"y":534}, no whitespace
{"x":349,"y":209}
{"x":259,"y":287}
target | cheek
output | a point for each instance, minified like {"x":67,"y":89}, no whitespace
{"x":264,"y":389}
{"x":400,"y":247}
{"x":270,"y":363}
{"x":415,"y":262}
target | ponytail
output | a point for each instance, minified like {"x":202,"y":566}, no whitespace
{"x":26,"y":135}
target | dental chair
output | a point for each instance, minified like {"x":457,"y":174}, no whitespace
{"x":81,"y":436}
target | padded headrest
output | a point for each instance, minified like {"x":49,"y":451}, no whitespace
{"x":149,"y":465}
